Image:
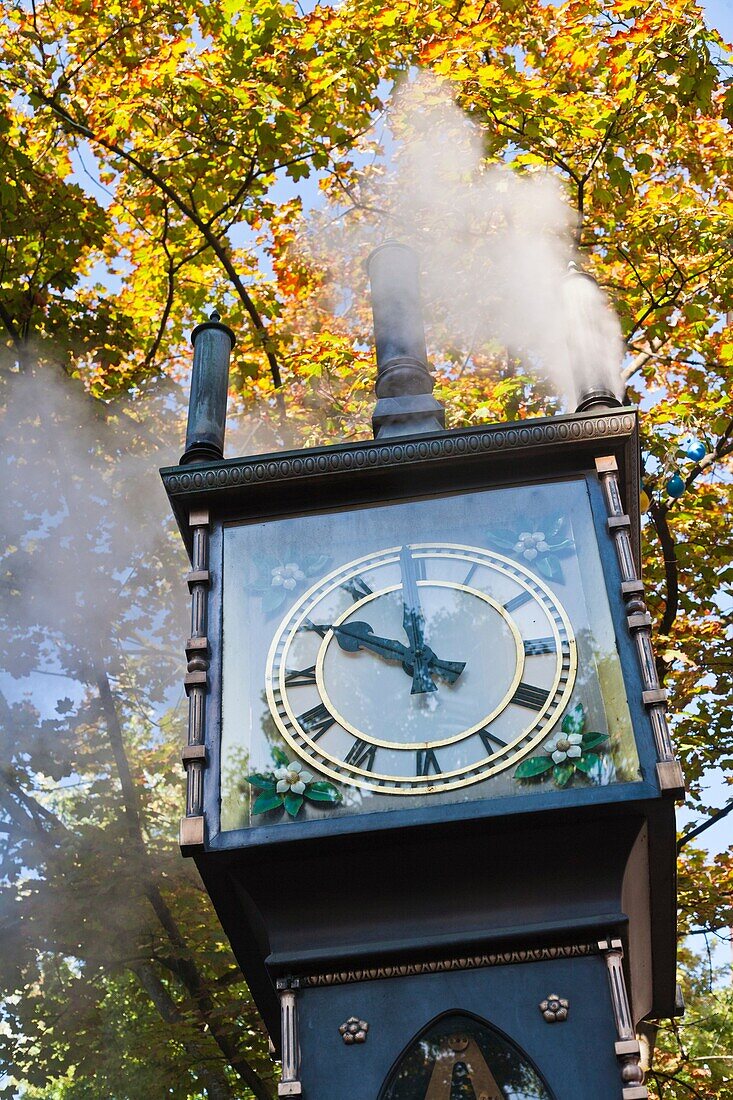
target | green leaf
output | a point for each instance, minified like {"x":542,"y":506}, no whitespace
{"x":588,"y":762}
{"x":556,"y":573}
{"x":501,"y":540}
{"x":530,"y":769}
{"x":273,"y":598}
{"x":313,"y":564}
{"x":292,"y":803}
{"x":265,"y":782}
{"x":574,"y":720}
{"x":268,"y":800}
{"x":280,"y":757}
{"x":562,"y":774}
{"x":544,"y":568}
{"x":322,"y":792}
{"x":592,"y":740}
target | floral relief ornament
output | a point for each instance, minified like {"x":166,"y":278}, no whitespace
{"x":354,"y":1030}
{"x":541,"y":544}
{"x":569,"y":753}
{"x":288,"y":786}
{"x":554,"y":1009}
{"x":277,"y":579}
{"x":286,"y":575}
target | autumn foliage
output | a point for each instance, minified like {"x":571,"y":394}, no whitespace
{"x":159,"y":159}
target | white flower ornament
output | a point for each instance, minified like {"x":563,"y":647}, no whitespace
{"x":287,"y":576}
{"x":291,"y":778}
{"x":530,"y":544}
{"x":565,"y":746}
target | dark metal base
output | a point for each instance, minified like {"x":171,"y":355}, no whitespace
{"x":200,"y":452}
{"x":598,"y":399}
{"x":413,"y":414}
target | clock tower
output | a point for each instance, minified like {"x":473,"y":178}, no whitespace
{"x":430,"y":784}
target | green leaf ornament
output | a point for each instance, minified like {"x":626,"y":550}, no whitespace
{"x":574,"y":720}
{"x":280,"y":757}
{"x":263,"y":782}
{"x":322,"y":792}
{"x":592,"y":740}
{"x":268,"y":800}
{"x":293,"y":803}
{"x":587,"y":762}
{"x":528,"y":769}
{"x":562,"y":774}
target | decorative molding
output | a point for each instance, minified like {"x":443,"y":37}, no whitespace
{"x":494,"y":438}
{"x":196,"y":684}
{"x":442,"y":966}
{"x":639,"y":623}
{"x":628,"y":1049}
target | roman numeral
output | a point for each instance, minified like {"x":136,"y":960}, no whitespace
{"x":528,"y":696}
{"x":535,"y":646}
{"x":316,"y":721}
{"x":361,"y":755}
{"x":318,"y":628}
{"x":488,"y":737}
{"x":300,"y":677}
{"x":470,"y":573}
{"x":357,"y":588}
{"x":426,"y":762}
{"x":517,"y":601}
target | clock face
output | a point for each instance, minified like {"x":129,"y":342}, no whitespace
{"x":416,"y":654}
{"x":420,"y":668}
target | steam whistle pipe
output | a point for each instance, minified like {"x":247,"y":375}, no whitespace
{"x":583,"y":356}
{"x":207,"y":406}
{"x":404,"y":385}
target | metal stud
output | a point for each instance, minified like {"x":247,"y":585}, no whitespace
{"x":554,"y":1009}
{"x":354,"y":1030}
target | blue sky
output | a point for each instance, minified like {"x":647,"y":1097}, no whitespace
{"x":720,"y":16}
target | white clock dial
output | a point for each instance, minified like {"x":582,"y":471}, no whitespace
{"x":421,"y":668}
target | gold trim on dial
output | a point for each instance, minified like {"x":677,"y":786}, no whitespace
{"x":531,"y":734}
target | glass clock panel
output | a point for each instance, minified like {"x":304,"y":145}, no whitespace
{"x":416,"y":653}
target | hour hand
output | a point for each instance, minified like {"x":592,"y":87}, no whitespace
{"x":357,"y":635}
{"x":354,"y":636}
{"x":446,"y":670}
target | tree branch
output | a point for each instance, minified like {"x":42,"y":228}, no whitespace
{"x":187,"y":210}
{"x":712,"y":820}
{"x":13,"y":332}
{"x":657,"y":1073}
{"x":213,"y":1080}
{"x":659,"y":516}
{"x":659,"y":512}
{"x":185,"y":966}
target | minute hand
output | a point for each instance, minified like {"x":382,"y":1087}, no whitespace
{"x":413,"y":622}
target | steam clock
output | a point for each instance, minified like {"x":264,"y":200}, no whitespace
{"x":430,"y":785}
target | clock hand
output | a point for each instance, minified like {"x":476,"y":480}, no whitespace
{"x":446,"y":670}
{"x":413,"y":622}
{"x":354,"y":636}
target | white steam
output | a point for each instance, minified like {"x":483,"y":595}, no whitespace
{"x":494,"y":247}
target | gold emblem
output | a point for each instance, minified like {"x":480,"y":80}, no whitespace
{"x":462,"y":1049}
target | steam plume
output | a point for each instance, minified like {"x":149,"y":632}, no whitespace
{"x":495,"y":246}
